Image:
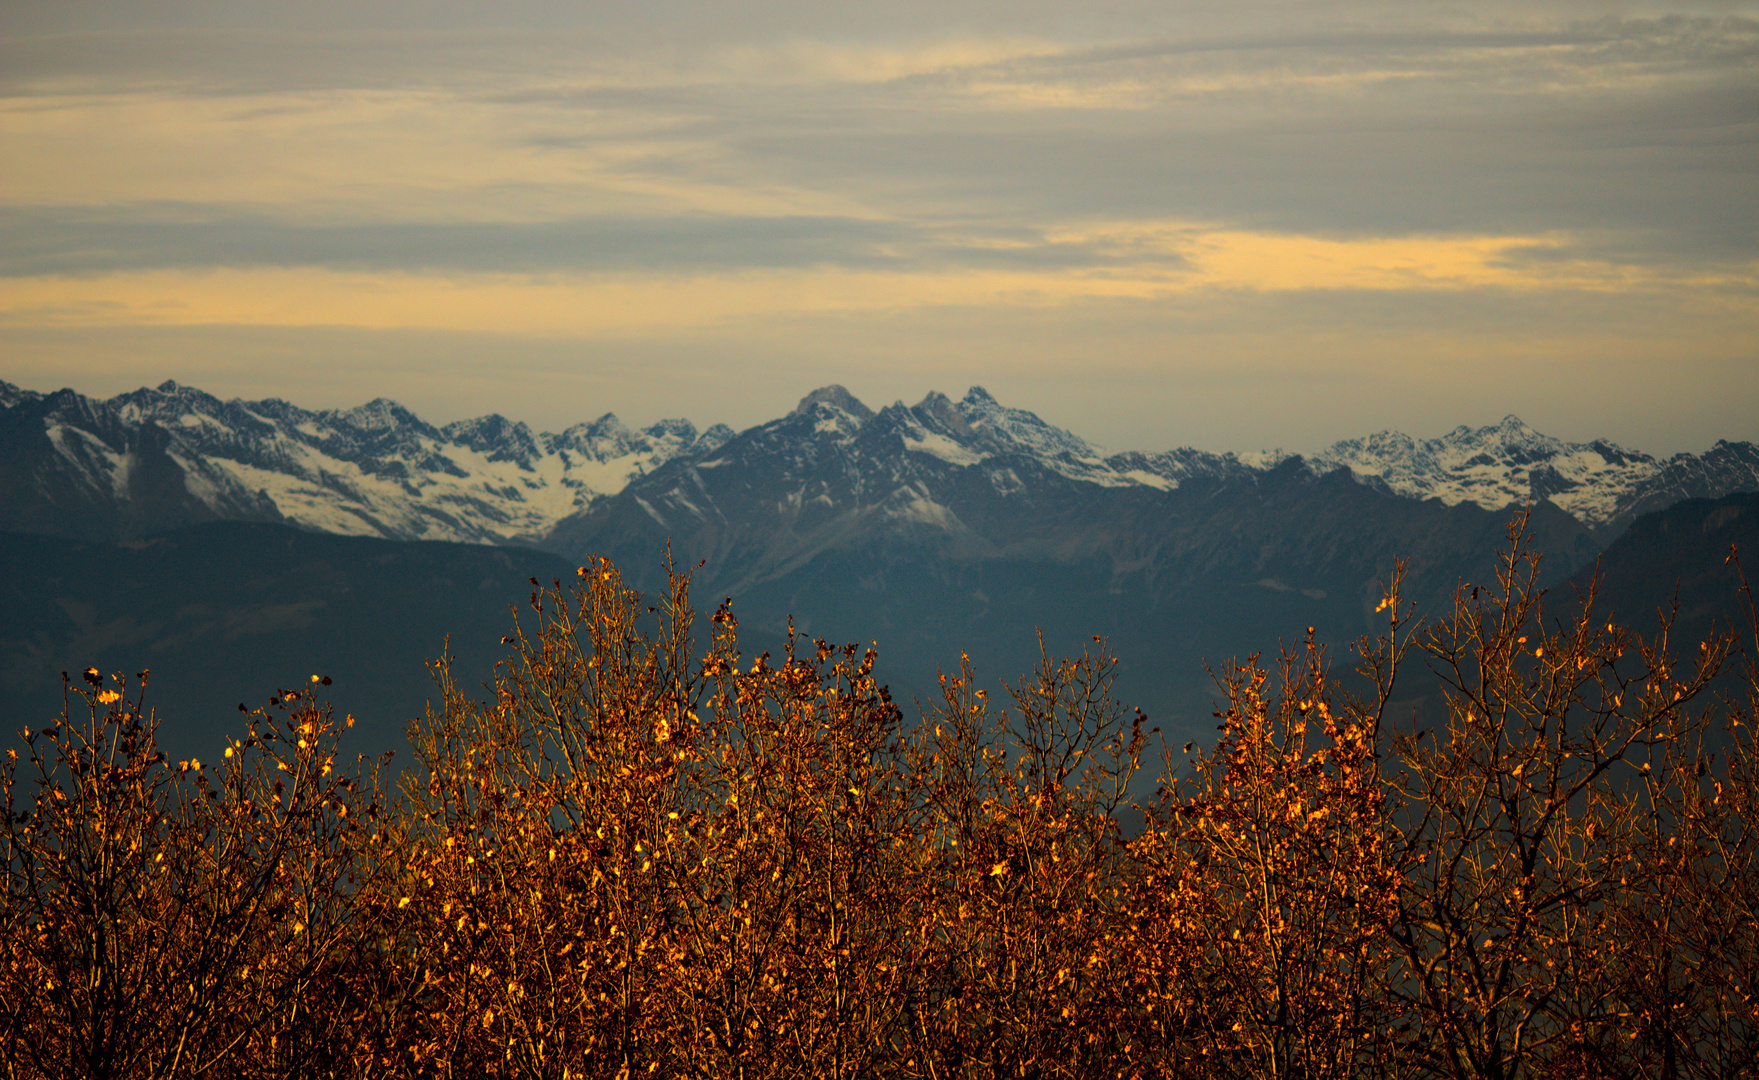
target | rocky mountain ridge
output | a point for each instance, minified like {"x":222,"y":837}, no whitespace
{"x":1601,"y":484}
{"x":940,"y":528}
{"x":172,"y":455}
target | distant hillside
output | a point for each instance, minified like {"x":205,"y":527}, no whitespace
{"x":1682,"y":551}
{"x":229,"y":612}
{"x":225,"y":613}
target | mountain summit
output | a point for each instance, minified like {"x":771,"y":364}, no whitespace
{"x":1601,"y":484}
{"x":169,"y":456}
{"x":837,"y":396}
{"x":172,"y":455}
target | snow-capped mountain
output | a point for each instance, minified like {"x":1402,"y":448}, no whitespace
{"x":1602,"y":485}
{"x":940,"y":528}
{"x":973,"y":475}
{"x":172,"y":455}
{"x":978,"y":428}
{"x":158,"y":458}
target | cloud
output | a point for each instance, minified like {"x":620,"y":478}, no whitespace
{"x":1646,"y":124}
{"x":86,"y":241}
{"x":1181,"y":194}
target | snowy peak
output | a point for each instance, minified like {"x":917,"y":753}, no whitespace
{"x":837,"y":397}
{"x":832,"y":467}
{"x":606,"y":437}
{"x":377,"y":469}
{"x":978,"y":428}
{"x":938,"y":413}
{"x":717,"y":436}
{"x":1169,"y":469}
{"x":1495,"y":466}
{"x":165,"y":403}
{"x":608,"y":444}
{"x":1020,"y":431}
{"x":379,"y":416}
{"x":170,"y":454}
{"x":497,"y":438}
{"x":934,"y":429}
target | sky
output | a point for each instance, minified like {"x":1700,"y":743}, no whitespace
{"x":1156,"y":223}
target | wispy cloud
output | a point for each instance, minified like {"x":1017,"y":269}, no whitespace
{"x":692,"y":176}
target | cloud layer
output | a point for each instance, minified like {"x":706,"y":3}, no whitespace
{"x":1159,"y":201}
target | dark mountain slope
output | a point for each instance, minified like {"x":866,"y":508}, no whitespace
{"x":226,"y":613}
{"x":935,"y":529}
{"x":1682,"y":552}
{"x":73,"y":467}
{"x":841,"y":521}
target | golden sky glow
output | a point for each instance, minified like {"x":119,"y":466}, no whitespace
{"x":612,"y":304}
{"x":815,"y":201}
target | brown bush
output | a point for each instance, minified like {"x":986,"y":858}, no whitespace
{"x":634,"y":858}
{"x":178,"y":919}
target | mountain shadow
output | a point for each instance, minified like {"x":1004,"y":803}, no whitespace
{"x":228,"y":613}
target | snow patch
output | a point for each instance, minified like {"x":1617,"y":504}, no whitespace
{"x":924,"y":511}
{"x":1148,"y":479}
{"x":1262,"y":460}
{"x":939,"y":446}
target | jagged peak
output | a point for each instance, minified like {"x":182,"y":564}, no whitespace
{"x":172,"y":389}
{"x":168,"y":399}
{"x":672,"y":427}
{"x":489,"y":422}
{"x":717,"y":436}
{"x":11,"y":395}
{"x":379,"y":416}
{"x":835,"y":394}
{"x":1386,"y":439}
{"x":608,"y":437}
{"x":940,"y":408}
{"x":498,"y":437}
{"x":1019,"y":428}
{"x":1510,"y":428}
{"x":1510,"y":433}
{"x":587,"y":435}
{"x":377,"y":411}
{"x":608,"y":426}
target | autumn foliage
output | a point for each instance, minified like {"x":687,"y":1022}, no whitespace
{"x":643,"y":852}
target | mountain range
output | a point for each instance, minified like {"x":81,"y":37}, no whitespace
{"x":938,"y":528}
{"x":159,"y":458}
